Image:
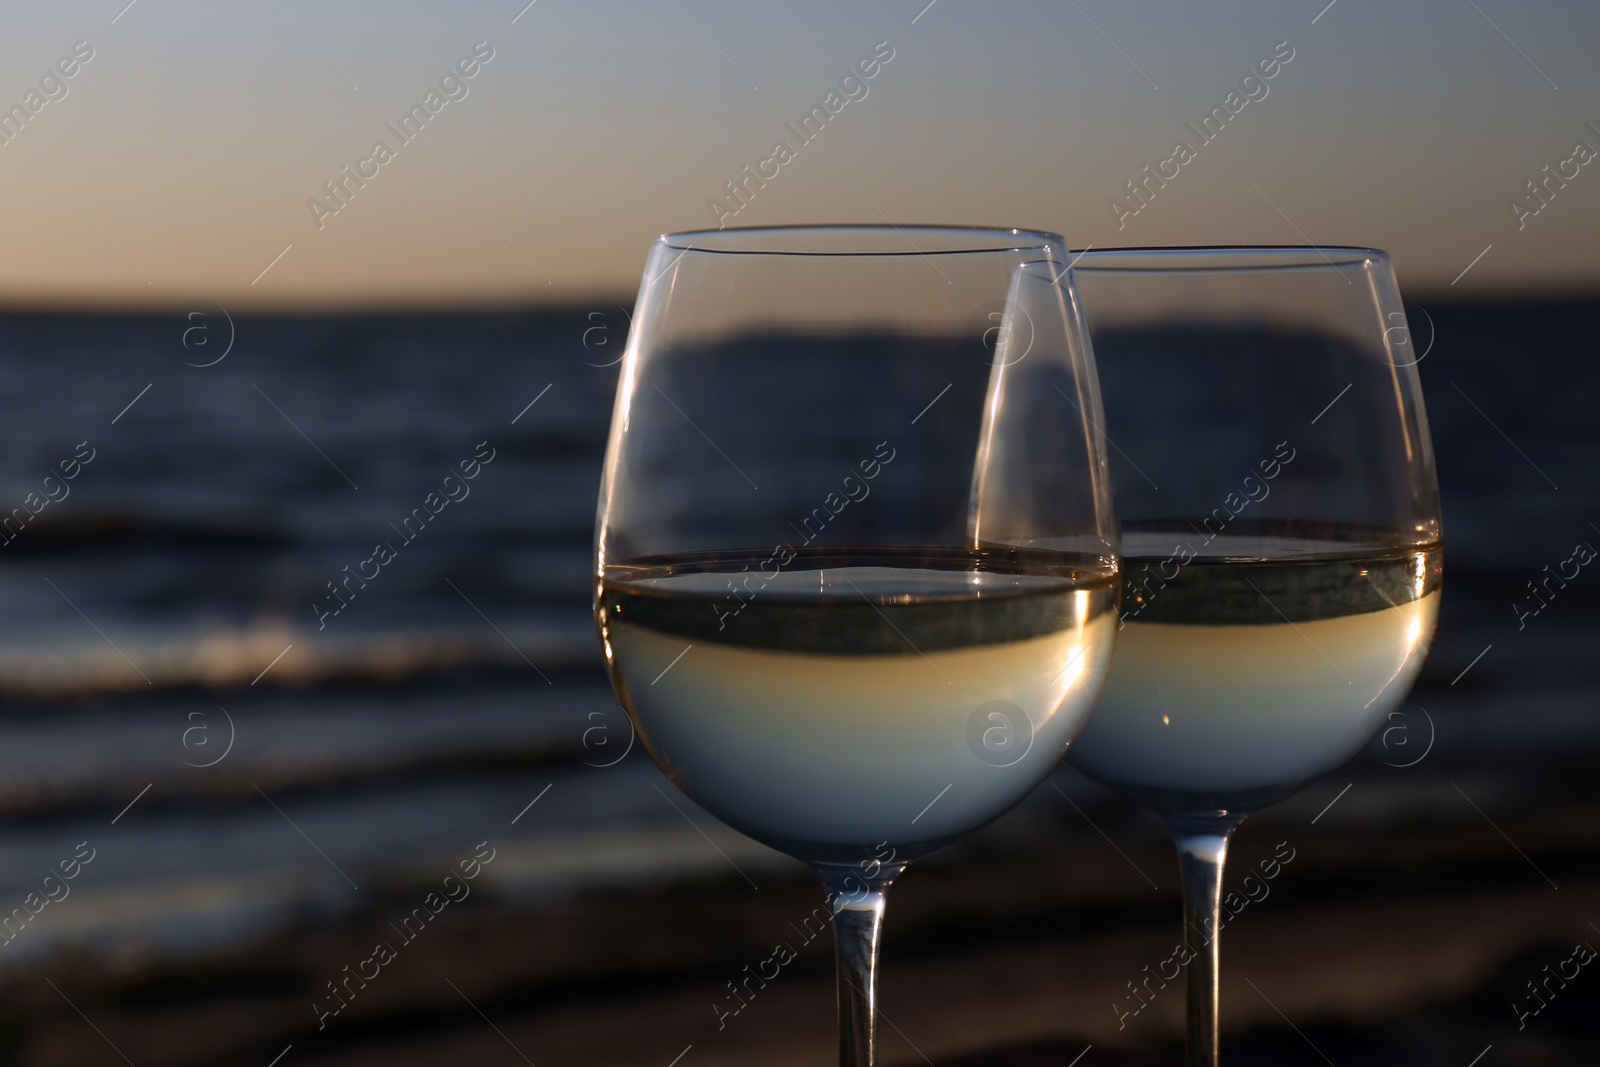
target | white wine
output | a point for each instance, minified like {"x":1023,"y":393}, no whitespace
{"x":856,"y":698}
{"x":1238,"y":679}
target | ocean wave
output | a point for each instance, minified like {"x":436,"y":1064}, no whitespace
{"x":279,"y":655}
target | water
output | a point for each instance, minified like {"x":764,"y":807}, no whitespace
{"x":200,"y":537}
{"x":161,"y":637}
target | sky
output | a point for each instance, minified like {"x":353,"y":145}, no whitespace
{"x":182,"y":159}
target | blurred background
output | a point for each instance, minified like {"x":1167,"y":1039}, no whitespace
{"x":230,"y":369}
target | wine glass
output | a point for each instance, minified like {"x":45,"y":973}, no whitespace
{"x":856,"y":569}
{"x":1281,"y":539}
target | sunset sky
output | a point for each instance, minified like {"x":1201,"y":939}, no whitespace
{"x":178,"y":161}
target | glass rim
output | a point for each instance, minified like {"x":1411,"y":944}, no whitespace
{"x":935,"y":240}
{"x":1157,"y":259}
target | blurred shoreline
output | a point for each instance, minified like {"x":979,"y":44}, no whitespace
{"x":166,"y":696}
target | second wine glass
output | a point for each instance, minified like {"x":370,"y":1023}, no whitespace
{"x":855,"y":558}
{"x":1280,"y":524}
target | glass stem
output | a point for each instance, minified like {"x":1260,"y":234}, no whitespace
{"x":856,"y":900}
{"x":1202,"y":850}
